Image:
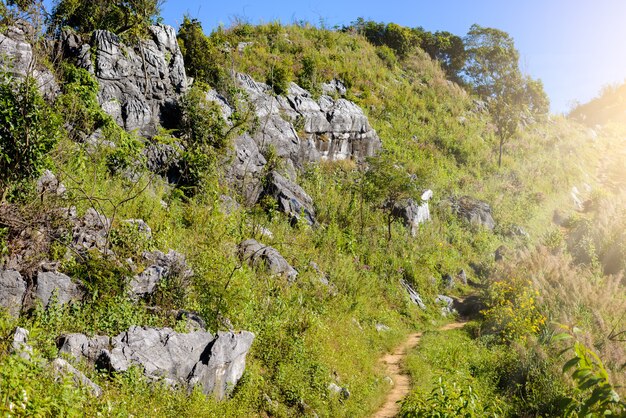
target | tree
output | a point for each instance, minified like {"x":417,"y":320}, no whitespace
{"x":386,"y":184}
{"x":446,"y":48}
{"x":493,"y":73}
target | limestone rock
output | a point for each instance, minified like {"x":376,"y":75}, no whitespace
{"x":291,"y":199}
{"x":412,"y":213}
{"x":299,"y":129}
{"x":473,"y":211}
{"x":447,"y":303}
{"x":139,"y":84}
{"x":52,"y":283}
{"x":80,"y":347}
{"x":415,"y":297}
{"x":161,"y":266}
{"x":12,"y":291}
{"x":64,"y":369}
{"x":258,"y":254}
{"x":16,"y":58}
{"x":20,"y":345}
{"x":198,"y":358}
{"x":49,"y":184}
{"x":90,"y":232}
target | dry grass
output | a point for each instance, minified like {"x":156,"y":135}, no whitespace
{"x":578,"y":296}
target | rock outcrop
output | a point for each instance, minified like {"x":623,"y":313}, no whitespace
{"x":61,"y":287}
{"x":161,"y":266}
{"x":291,"y":199}
{"x":139,"y":84}
{"x":298,"y":128}
{"x":12,"y":291}
{"x":474,"y":211}
{"x":16,"y":57}
{"x":198,"y":358}
{"x":303,"y":129}
{"x":258,"y":254}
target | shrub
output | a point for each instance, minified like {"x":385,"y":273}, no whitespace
{"x":278,"y":77}
{"x":511,"y":312}
{"x":131,"y":17}
{"x":28,"y":131}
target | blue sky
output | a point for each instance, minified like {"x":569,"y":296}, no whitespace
{"x":575,"y":47}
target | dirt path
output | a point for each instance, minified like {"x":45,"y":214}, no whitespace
{"x":401,"y":382}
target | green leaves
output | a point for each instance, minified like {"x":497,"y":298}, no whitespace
{"x":590,"y":375}
{"x":28,"y":130}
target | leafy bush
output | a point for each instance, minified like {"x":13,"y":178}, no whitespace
{"x":278,"y":77}
{"x":446,"y":401}
{"x":129,"y":17}
{"x":597,"y":397}
{"x":512,"y":312}
{"x":28,"y":131}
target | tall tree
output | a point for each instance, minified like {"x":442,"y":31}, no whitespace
{"x":493,"y":72}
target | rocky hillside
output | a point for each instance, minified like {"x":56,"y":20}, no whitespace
{"x":250,"y":240}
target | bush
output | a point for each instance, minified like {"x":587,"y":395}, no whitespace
{"x":511,"y":311}
{"x":28,"y":131}
{"x":130,"y":17}
{"x":278,"y":77}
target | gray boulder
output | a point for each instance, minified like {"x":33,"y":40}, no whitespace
{"x":415,"y":297}
{"x":52,"y":283}
{"x":258,"y":254}
{"x":20,"y":345}
{"x":63,"y":369}
{"x":139,"y":84}
{"x":12,"y":291}
{"x":474,"y":211}
{"x":413,"y":213}
{"x":291,"y":198}
{"x":338,"y":390}
{"x":216,"y":363}
{"x":81,"y":347}
{"x":161,"y":266}
{"x":49,"y":184}
{"x":462,"y":276}
{"x":446,"y":303}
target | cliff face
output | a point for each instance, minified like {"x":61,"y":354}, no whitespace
{"x":139,"y":84}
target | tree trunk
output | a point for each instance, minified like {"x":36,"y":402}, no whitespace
{"x":500,"y":155}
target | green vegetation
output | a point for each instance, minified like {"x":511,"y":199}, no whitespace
{"x":120,"y":17}
{"x":310,"y":334}
{"x":28,"y":132}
